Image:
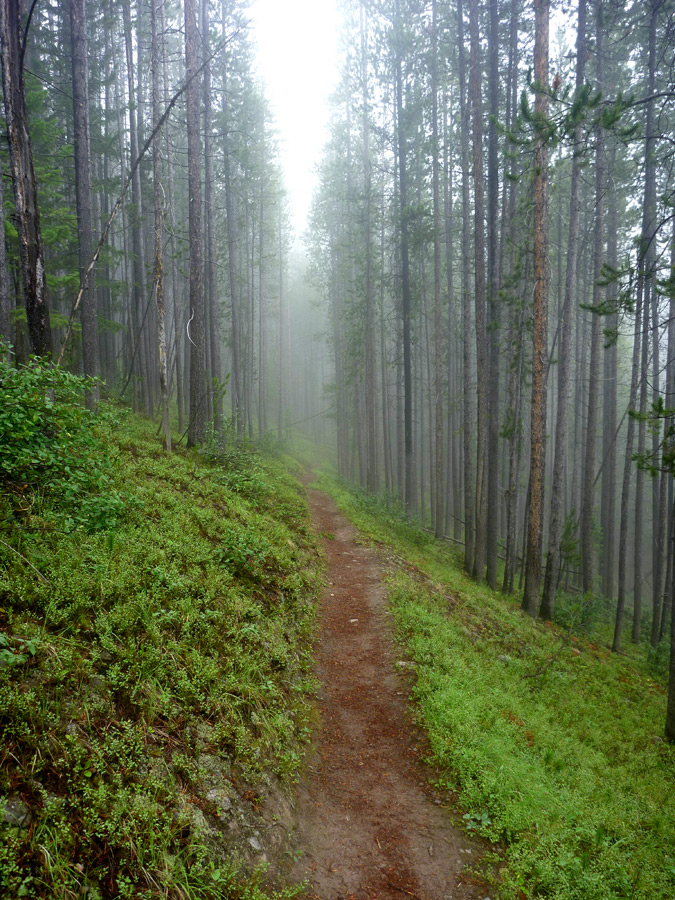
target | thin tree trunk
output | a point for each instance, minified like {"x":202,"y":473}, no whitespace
{"x":26,"y":208}
{"x":210,"y":274}
{"x":590,"y":460}
{"x":492,"y":461}
{"x":553,"y":560}
{"x":88,"y":317}
{"x":482,"y":379}
{"x":159,"y":234}
{"x":198,"y":387}
{"x":468,"y":412}
{"x":540,"y":327}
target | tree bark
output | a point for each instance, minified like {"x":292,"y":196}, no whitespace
{"x":467,"y":358}
{"x":88,"y":316}
{"x":494,"y":313}
{"x":406,"y":299}
{"x":590,"y":460}
{"x":26,"y":209}
{"x":553,"y":560}
{"x":540,"y":326}
{"x":198,"y":387}
{"x":159,"y":233}
{"x":482,"y":397}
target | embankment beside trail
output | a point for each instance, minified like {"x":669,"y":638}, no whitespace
{"x":154,"y":671}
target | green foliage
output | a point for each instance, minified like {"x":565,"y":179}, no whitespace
{"x":155,"y":662}
{"x":552,"y":743}
{"x":50,"y":445}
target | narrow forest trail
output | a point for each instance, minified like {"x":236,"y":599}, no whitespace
{"x":369,"y":826}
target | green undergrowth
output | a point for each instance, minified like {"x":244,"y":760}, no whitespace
{"x":154,"y":661}
{"x":551,"y":744}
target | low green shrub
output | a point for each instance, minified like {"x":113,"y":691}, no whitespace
{"x":50,"y":444}
{"x":176,"y":640}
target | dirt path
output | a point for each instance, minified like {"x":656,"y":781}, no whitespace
{"x":369,"y":828}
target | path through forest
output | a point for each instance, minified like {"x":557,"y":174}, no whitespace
{"x":369,"y":826}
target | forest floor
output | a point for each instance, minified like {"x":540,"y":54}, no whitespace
{"x":369,"y":825}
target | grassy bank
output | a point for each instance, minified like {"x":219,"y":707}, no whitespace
{"x":154,"y":661}
{"x":552,"y":745}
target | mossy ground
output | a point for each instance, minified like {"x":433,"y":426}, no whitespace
{"x":552,"y":745}
{"x":155,"y":674}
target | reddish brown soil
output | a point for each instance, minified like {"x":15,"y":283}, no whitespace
{"x":369,"y":827}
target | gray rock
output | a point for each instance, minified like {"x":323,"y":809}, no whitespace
{"x":254,"y":843}
{"x":14,"y":812}
{"x":222,"y":801}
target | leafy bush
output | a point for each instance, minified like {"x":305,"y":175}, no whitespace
{"x":52,"y":446}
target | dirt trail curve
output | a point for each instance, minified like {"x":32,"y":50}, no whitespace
{"x":369,"y":828}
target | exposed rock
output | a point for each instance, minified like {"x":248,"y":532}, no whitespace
{"x":212,"y":768}
{"x":14,"y":812}
{"x":222,"y":802}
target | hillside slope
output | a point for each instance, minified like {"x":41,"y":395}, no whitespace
{"x":153,"y":669}
{"x":553,"y":745}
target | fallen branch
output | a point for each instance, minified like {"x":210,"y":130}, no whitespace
{"x":549,"y":662}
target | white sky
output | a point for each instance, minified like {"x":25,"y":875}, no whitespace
{"x":297,"y":59}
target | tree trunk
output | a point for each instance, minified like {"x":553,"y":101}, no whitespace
{"x":539,"y":337}
{"x":467,"y":360}
{"x":493,"y":303}
{"x":405,"y":275}
{"x":198,"y":387}
{"x":437,"y":498}
{"x":88,"y":318}
{"x":553,"y":560}
{"x":159,"y":233}
{"x":26,"y":210}
{"x":210,"y":275}
{"x":590,"y":460}
{"x":482,"y":397}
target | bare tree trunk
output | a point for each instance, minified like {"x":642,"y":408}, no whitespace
{"x":590,"y":460}
{"x":232,"y":262}
{"x":670,"y":710}
{"x":26,"y":210}
{"x":88,"y":318}
{"x":492,"y":502}
{"x":468,"y":416}
{"x":627,"y":468}
{"x":372,"y":474}
{"x":405,"y":276}
{"x":479,"y":297}
{"x":540,"y":327}
{"x":5,"y":301}
{"x":159,"y":233}
{"x":437,"y":454}
{"x":198,"y":388}
{"x":210,"y":275}
{"x":609,"y":428}
{"x":138,"y":290}
{"x":176,"y":294}
{"x":552,"y":573}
